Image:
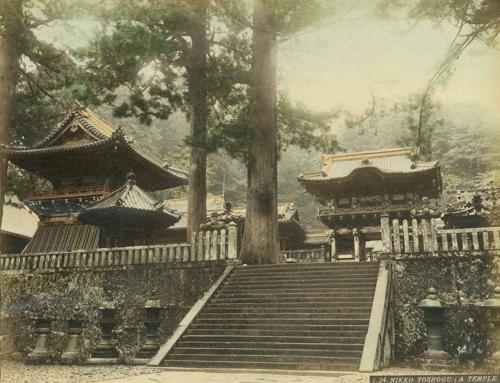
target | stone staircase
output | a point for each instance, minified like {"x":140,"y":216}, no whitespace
{"x":290,"y":316}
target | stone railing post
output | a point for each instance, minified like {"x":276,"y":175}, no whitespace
{"x":232,"y":242}
{"x":40,"y":353}
{"x":333,"y":246}
{"x":385,"y":228}
{"x":434,"y":321}
{"x":355,"y":234}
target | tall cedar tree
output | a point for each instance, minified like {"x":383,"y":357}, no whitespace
{"x":197,"y":190}
{"x":273,"y":21}
{"x":35,"y":77}
{"x":151,"y":52}
{"x":155,"y":57}
{"x":260,"y":240}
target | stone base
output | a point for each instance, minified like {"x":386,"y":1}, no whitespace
{"x":493,"y":363}
{"x":438,"y":355}
{"x":436,"y":361}
{"x":70,"y":357}
{"x":103,"y":361}
{"x":139,"y":361}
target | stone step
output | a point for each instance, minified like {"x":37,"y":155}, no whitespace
{"x":332,"y":310}
{"x":278,"y":294}
{"x":283,"y":315}
{"x":284,"y":328}
{"x":291,"y":321}
{"x":305,"y":300}
{"x":299,"y":286}
{"x":264,"y":358}
{"x":303,"y":276}
{"x":320,"y":279}
{"x":273,"y":345}
{"x":275,"y":336}
{"x":298,"y":351}
{"x":291,"y":316}
{"x":193,"y":363}
{"x":305,"y":266}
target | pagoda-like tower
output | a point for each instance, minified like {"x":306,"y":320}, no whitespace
{"x":84,"y":158}
{"x":355,"y":189}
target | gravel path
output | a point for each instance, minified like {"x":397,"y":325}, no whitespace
{"x":16,"y":372}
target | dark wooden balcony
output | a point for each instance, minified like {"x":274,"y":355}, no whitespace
{"x":73,"y":192}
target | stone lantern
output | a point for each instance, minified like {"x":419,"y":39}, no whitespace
{"x":152,"y":319}
{"x":71,"y":352}
{"x":434,"y":321}
{"x":42,"y":330}
{"x":493,"y":305}
{"x":108,"y":322}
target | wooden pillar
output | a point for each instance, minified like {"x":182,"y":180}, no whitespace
{"x":355,"y":234}
{"x":333,"y":246}
{"x":386,"y":233}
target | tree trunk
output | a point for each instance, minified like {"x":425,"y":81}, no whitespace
{"x":197,"y":189}
{"x":9,"y":75}
{"x":260,"y":240}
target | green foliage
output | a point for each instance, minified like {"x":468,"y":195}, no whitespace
{"x":481,"y":17}
{"x":301,"y":127}
{"x":461,"y":281}
{"x":43,"y":77}
{"x":59,"y":297}
{"x":468,"y":334}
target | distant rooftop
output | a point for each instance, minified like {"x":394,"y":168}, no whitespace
{"x":398,"y":160}
{"x":216,"y":205}
{"x":18,"y":220}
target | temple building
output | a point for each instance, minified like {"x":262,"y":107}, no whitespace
{"x":473,"y":208}
{"x":19,"y":224}
{"x":97,"y":175}
{"x":220,"y":211}
{"x":355,"y":189}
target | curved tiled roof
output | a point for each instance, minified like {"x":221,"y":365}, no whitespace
{"x":388,"y":161}
{"x":129,"y":198}
{"x":101,"y":134}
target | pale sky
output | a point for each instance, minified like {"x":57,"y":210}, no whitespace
{"x":342,"y":64}
{"x":345,"y":61}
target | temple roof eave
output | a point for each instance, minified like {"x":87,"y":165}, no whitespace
{"x":314,"y":184}
{"x":128,"y":215}
{"x":322,"y":176}
{"x":129,"y":204}
{"x":175,"y":177}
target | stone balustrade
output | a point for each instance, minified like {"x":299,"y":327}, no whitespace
{"x":424,"y":236}
{"x":214,"y":245}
